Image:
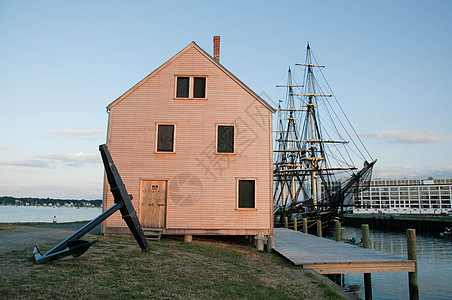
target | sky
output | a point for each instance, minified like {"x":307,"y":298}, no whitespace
{"x":62,"y":62}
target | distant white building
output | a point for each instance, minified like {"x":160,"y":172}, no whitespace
{"x":406,"y":196}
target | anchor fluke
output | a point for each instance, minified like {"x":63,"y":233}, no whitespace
{"x":75,"y":248}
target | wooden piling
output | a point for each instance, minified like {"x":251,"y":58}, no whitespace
{"x":367,"y":286}
{"x":286,"y":222}
{"x":305,"y":225}
{"x":338,"y":231}
{"x":295,"y":225}
{"x":412,"y":255}
{"x":366,"y":235}
{"x":251,"y":239}
{"x":260,"y":243}
{"x":270,"y":243}
{"x":367,"y":276}
{"x":319,"y":228}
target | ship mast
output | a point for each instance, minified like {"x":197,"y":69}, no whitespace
{"x":313,"y":159}
{"x":303,"y":170}
{"x":288,"y":148}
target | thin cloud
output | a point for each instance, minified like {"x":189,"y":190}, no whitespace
{"x":78,"y":132}
{"x":408,"y":137}
{"x":74,"y":159}
{"x":45,"y":161}
{"x":33,"y":163}
{"x":410,"y":172}
{"x":73,"y":190}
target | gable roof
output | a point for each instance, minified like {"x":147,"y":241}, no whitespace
{"x":211,"y":59}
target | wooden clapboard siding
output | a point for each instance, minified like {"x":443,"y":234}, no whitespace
{"x":201,"y":184}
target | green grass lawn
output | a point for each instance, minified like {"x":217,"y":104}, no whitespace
{"x":115,"y":268}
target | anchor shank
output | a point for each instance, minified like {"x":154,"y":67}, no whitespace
{"x":87,"y":228}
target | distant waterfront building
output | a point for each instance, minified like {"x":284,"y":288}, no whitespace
{"x":406,"y":196}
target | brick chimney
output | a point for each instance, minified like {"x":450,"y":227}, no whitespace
{"x":216,"y":47}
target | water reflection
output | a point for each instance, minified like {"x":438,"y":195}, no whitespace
{"x":434,"y":266}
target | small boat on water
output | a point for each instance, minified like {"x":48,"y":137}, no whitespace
{"x":320,"y":162}
{"x":446,"y":233}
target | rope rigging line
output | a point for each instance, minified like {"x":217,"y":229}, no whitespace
{"x":327,"y":104}
{"x":349,"y":123}
{"x":340,"y":107}
{"x":336,"y":146}
{"x":346,"y":149}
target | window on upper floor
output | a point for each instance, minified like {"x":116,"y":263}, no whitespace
{"x":199,"y":87}
{"x":225,"y":139}
{"x":165,"y":138}
{"x":183,"y":84}
{"x":191,"y":87}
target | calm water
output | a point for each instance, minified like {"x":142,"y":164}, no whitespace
{"x":43,"y":214}
{"x":434,"y":257}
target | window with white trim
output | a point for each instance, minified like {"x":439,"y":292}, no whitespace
{"x":165,"y":138}
{"x":191,"y":87}
{"x":246,"y":193}
{"x":225,"y":138}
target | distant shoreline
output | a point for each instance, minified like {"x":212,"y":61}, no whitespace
{"x":43,"y":223}
{"x":47,"y":214}
{"x":31,"y":201}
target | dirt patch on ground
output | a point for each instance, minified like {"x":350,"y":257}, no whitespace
{"x":20,"y":236}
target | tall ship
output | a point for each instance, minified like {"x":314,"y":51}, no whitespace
{"x":320,"y":163}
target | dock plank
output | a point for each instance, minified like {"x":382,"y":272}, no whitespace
{"x":330,"y":257}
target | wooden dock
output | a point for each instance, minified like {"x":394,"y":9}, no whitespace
{"x":330,"y":257}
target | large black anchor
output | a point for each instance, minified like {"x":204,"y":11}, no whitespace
{"x":76,"y":247}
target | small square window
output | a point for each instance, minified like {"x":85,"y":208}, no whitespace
{"x":165,"y":138}
{"x":246,"y":194}
{"x":183,"y":84}
{"x":225,"y":139}
{"x":199,"y":87}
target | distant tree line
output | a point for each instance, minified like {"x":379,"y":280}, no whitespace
{"x":7,"y":200}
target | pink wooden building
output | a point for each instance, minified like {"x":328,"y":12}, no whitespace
{"x":193,"y":145}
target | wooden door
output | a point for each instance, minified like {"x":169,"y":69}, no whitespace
{"x":153,"y":203}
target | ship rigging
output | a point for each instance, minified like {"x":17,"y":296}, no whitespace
{"x":317,"y":151}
